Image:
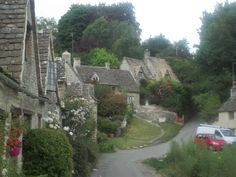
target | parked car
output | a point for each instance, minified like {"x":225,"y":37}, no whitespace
{"x":211,"y":141}
{"x":221,"y":133}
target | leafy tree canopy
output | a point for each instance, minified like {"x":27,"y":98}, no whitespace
{"x":98,"y":57}
{"x":47,"y":23}
{"x":217,"y":49}
{"x":92,"y":26}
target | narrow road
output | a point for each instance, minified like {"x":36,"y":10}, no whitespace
{"x":127,"y":163}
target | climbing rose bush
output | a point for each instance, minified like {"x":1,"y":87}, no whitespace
{"x":78,"y":112}
{"x":53,"y":120}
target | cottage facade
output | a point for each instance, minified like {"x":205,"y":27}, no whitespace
{"x":118,"y":80}
{"x":227,"y":112}
{"x":23,"y":97}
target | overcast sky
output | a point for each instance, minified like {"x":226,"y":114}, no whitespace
{"x":176,"y":19}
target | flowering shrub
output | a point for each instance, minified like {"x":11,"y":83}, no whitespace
{"x":80,"y":126}
{"x":78,"y":112}
{"x":52,"y":121}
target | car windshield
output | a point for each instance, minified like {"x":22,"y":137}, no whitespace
{"x":228,"y":133}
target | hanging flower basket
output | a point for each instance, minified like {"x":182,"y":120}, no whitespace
{"x":15,"y":151}
{"x":14,"y":145}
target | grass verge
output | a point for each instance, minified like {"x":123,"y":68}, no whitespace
{"x":138,"y":134}
{"x":170,"y":129}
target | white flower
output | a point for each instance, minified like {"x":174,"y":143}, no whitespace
{"x":51,"y":126}
{"x":50,"y":120}
{"x":71,"y":133}
{"x":49,"y":112}
{"x":4,"y":172}
{"x":66,"y":128}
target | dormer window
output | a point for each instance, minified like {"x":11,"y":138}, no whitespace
{"x":95,"y":78}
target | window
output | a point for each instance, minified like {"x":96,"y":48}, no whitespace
{"x":231,"y":115}
{"x":129,"y":99}
{"x":51,"y":76}
{"x":218,"y":134}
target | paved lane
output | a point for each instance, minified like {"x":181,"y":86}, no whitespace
{"x":127,"y":163}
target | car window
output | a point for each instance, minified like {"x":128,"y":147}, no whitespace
{"x":217,"y":134}
{"x":228,"y":132}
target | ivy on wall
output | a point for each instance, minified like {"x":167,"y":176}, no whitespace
{"x":3,"y":117}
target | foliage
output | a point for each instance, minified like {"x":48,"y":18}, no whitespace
{"x":182,"y":49}
{"x":208,"y":104}
{"x":80,"y":125}
{"x":104,"y":144}
{"x":98,"y":57}
{"x":169,"y":94}
{"x":156,"y":44}
{"x":190,"y":160}
{"x":92,"y":26}
{"x":107,"y":126}
{"x":3,"y":118}
{"x":84,"y":157}
{"x":52,"y":120}
{"x":78,"y":117}
{"x":47,"y":151}
{"x":217,"y":39}
{"x":101,"y":91}
{"x":47,"y":23}
{"x":112,"y":104}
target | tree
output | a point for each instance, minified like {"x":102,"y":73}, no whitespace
{"x":47,"y":23}
{"x":218,"y":39}
{"x":82,"y":19}
{"x":98,"y":57}
{"x":182,"y":49}
{"x":157,"y":44}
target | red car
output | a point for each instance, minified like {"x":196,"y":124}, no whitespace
{"x":210,"y":141}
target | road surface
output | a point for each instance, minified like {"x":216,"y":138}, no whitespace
{"x":127,"y":163}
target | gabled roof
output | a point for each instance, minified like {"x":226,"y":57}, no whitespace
{"x":12,"y":29}
{"x":44,"y":53}
{"x":111,"y":77}
{"x":229,"y":105}
{"x":135,"y":65}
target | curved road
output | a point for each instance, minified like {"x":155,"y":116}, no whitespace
{"x":127,"y":163}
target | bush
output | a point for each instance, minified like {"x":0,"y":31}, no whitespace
{"x":47,"y":152}
{"x":104,"y":144}
{"x":107,"y":126}
{"x":112,"y":104}
{"x":191,"y":160}
{"x":85,"y":156}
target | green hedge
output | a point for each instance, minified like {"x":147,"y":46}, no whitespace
{"x":47,"y":152}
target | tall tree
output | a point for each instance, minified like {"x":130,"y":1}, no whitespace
{"x":181,"y":48}
{"x":80,"y":17}
{"x":157,"y":44}
{"x":217,"y":49}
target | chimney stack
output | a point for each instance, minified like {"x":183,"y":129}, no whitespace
{"x":233,"y":90}
{"x":66,"y":57}
{"x":146,"y":54}
{"x":76,"y":63}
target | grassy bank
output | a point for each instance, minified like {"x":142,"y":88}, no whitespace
{"x":138,"y":134}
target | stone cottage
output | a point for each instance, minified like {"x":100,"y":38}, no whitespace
{"x":118,"y":80}
{"x":227,"y":112}
{"x":23,"y":98}
{"x":150,"y":68}
{"x":70,"y":85}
